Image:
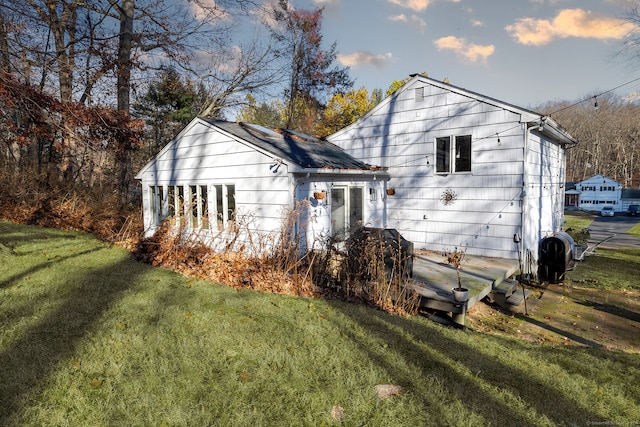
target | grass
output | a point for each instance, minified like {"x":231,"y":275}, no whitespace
{"x":91,"y":337}
{"x":635,"y":230}
{"x":608,"y":269}
{"x":578,"y":220}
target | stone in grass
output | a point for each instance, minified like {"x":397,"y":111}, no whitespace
{"x":386,"y":391}
{"x":337,"y":413}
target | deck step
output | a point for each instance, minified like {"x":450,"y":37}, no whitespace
{"x":507,"y":287}
{"x":517,"y":298}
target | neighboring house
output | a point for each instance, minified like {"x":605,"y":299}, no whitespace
{"x":598,"y":191}
{"x":571,"y":196}
{"x":469,"y":171}
{"x":215,"y":174}
{"x":630,"y":196}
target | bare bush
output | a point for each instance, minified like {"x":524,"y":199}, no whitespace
{"x":282,"y":263}
{"x":32,"y":199}
{"x":367,"y":272}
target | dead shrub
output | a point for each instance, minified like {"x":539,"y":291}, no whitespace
{"x":366,"y":272}
{"x":280,"y":263}
{"x":240,"y":257}
{"x":38,"y":201}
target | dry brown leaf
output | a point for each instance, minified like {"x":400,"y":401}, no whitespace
{"x":386,"y":391}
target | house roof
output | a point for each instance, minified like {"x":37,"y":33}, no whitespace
{"x":544,"y":124}
{"x":597,"y":178}
{"x":294,"y":147}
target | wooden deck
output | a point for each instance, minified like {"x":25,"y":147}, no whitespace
{"x":434,"y":279}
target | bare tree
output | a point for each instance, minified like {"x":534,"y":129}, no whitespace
{"x":609,"y":138}
{"x":632,"y":42}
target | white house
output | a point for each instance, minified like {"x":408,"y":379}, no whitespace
{"x":215,"y":174}
{"x":598,"y":191}
{"x":469,"y":171}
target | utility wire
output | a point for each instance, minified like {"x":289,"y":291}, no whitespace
{"x":497,"y":134}
{"x":595,"y":96}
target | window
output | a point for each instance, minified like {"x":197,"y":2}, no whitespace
{"x":198,"y":207}
{"x":189,"y":205}
{"x":171,"y":201}
{"x":156,"y":204}
{"x":356,"y":207}
{"x":203,"y":206}
{"x":347,"y":209}
{"x":419,"y":94}
{"x":180,"y":202}
{"x":453,"y":154}
{"x":193,"y":206}
{"x":225,"y":196}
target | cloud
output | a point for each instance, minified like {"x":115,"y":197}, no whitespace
{"x":417,"y":5}
{"x":328,"y":2}
{"x":362,"y":57}
{"x":413,"y":20}
{"x":477,"y":23}
{"x":462,"y":47}
{"x":552,"y":2}
{"x":569,"y":23}
{"x":204,"y":10}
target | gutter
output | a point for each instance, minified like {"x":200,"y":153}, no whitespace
{"x":377,"y":173}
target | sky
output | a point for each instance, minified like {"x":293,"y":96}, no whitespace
{"x":524,"y":52}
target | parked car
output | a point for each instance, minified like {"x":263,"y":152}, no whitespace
{"x":607,"y":211}
{"x":633,"y":210}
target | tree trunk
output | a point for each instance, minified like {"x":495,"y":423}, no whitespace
{"x":5,"y":63}
{"x":123,"y":156}
{"x":124,"y":54}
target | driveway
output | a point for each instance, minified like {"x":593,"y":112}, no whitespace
{"x":616,"y":226}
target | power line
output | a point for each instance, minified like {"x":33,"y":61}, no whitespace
{"x":596,"y":96}
{"x":498,"y":134}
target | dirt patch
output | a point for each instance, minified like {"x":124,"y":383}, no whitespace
{"x":566,"y":315}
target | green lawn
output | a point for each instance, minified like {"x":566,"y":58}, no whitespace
{"x":577,"y":220}
{"x":635,"y":230}
{"x":92,"y":338}
{"x":608,"y":269}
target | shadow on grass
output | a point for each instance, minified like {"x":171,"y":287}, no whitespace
{"x":567,"y":334}
{"x":17,"y":277}
{"x":433,"y":354}
{"x":35,"y":355}
{"x":612,"y":309}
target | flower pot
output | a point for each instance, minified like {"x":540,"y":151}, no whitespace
{"x":319,"y":195}
{"x":460,"y":294}
{"x":391,"y":191}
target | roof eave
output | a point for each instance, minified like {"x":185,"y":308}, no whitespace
{"x":554,"y":131}
{"x":373,"y":171}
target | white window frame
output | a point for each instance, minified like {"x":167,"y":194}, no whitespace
{"x":221,"y":194}
{"x":157,"y":204}
{"x":454,"y":152}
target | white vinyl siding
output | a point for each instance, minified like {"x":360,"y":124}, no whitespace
{"x":453,"y":141}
